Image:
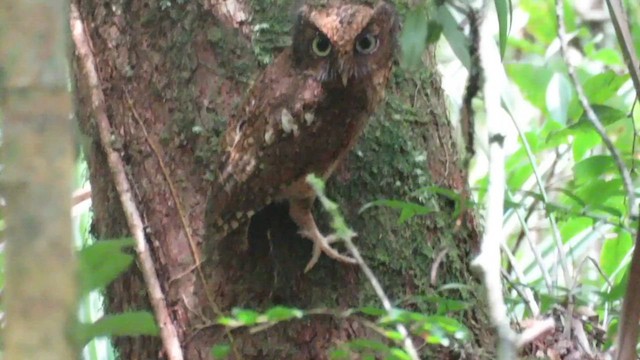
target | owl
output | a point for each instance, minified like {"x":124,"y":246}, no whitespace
{"x":303,"y":115}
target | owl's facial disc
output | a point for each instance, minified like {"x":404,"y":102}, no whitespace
{"x":343,"y":42}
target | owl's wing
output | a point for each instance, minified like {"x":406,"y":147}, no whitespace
{"x":263,"y":147}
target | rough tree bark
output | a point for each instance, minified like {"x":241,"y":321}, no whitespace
{"x":172,"y":72}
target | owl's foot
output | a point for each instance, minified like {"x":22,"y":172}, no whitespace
{"x":322,"y":244}
{"x":300,"y":212}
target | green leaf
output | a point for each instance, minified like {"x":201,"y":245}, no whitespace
{"x":220,"y":351}
{"x":393,"y":335}
{"x":281,"y":313}
{"x":451,"y":31}
{"x":574,"y":226}
{"x":126,"y":324}
{"x":246,"y":317}
{"x":339,"y":354}
{"x":558,"y":97}
{"x":540,"y":25}
{"x":413,"y":39}
{"x":595,"y":194}
{"x":407,"y":209}
{"x":102,"y":262}
{"x":613,"y":253}
{"x":619,"y":289}
{"x":606,"y":114}
{"x":434,"y":31}
{"x":601,"y":87}
{"x":503,"y":9}
{"x":366,"y":344}
{"x":583,"y":142}
{"x":398,"y":354}
{"x":593,"y":167}
{"x":373,"y":311}
{"x":532,"y":80}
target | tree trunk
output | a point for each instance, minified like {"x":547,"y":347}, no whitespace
{"x":40,"y":305}
{"x":172,"y":73}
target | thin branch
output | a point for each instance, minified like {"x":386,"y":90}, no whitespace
{"x":168,"y":332}
{"x":345,"y":234}
{"x":532,"y":247}
{"x":591,"y":115}
{"x":621,"y":24}
{"x":489,"y":261}
{"x":555,"y":231}
{"x":386,"y":303}
{"x":527,"y":294}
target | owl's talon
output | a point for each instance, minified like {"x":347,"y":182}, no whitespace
{"x":321,"y":244}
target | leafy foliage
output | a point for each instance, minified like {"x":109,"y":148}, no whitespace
{"x":561,"y":180}
{"x":102,"y":262}
{"x":124,"y":324}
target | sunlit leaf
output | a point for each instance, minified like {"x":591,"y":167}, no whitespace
{"x":124,"y":324}
{"x":373,"y":311}
{"x":452,"y":32}
{"x":220,"y":351}
{"x":366,"y":344}
{"x":413,"y":39}
{"x":246,"y":317}
{"x":532,"y":80}
{"x":407,"y":209}
{"x":102,"y":262}
{"x":281,"y":313}
{"x":601,"y":87}
{"x":339,"y":354}
{"x":398,"y":354}
{"x":503,"y":10}
{"x":614,"y":251}
{"x":558,"y":97}
{"x":593,"y":167}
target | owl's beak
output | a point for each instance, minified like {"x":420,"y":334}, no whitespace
{"x":345,"y":78}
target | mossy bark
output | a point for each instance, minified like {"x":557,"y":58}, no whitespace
{"x":172,"y":73}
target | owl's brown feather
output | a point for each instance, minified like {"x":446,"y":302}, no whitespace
{"x":300,"y":117}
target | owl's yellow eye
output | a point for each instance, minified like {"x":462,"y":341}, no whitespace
{"x":367,"y":44}
{"x":321,"y":45}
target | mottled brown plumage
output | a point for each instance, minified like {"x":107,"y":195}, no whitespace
{"x":303,"y":115}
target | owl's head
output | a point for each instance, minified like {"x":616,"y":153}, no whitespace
{"x":342,"y":42}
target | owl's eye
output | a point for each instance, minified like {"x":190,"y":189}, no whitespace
{"x":321,"y":45}
{"x":367,"y":44}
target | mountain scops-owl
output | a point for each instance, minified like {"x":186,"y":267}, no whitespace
{"x":303,"y":115}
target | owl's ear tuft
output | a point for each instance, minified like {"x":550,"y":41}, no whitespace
{"x":385,"y":10}
{"x":303,"y":32}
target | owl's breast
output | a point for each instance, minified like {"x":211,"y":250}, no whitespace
{"x":328,"y":130}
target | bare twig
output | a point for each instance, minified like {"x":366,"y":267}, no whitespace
{"x":532,"y":247}
{"x":621,"y":24}
{"x":80,"y":195}
{"x":345,"y":234}
{"x":591,"y":115}
{"x":527,"y":294}
{"x":628,"y":329}
{"x":488,"y":261}
{"x":555,"y":231}
{"x":531,"y":333}
{"x":168,"y":332}
{"x":386,"y":303}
